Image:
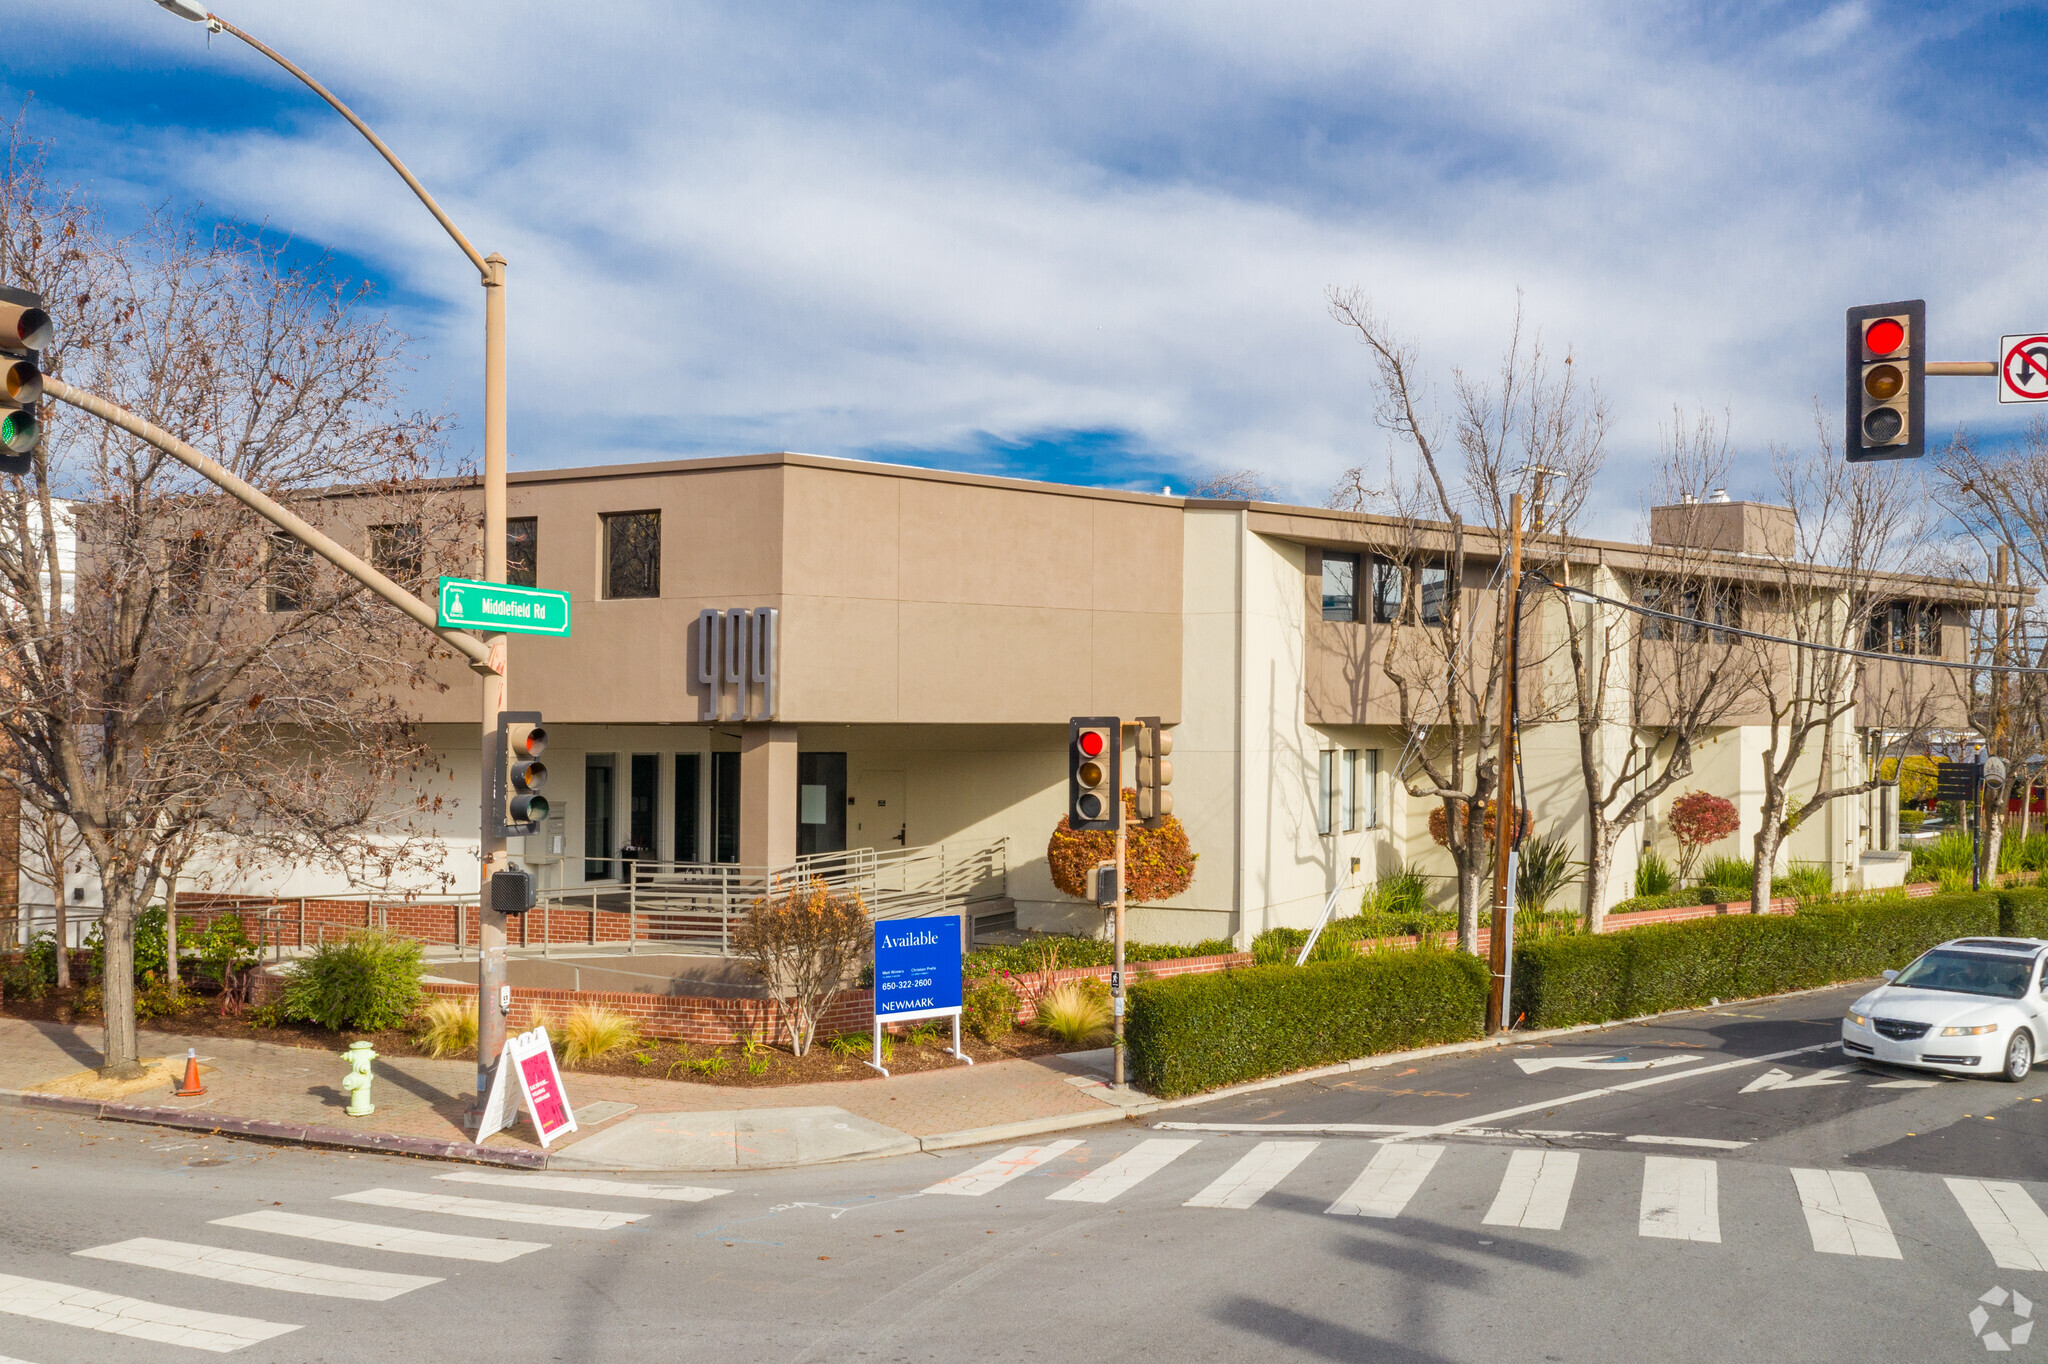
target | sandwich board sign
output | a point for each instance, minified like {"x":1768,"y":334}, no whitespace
{"x":526,"y":1069}
{"x":917,"y":975}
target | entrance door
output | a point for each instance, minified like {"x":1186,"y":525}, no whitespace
{"x":880,"y":818}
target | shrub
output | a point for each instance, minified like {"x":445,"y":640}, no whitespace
{"x":366,"y":982}
{"x":2023,"y":912}
{"x":1158,"y":863}
{"x":1074,"y":1013}
{"x":593,"y":1031}
{"x":1697,"y":819}
{"x":1278,"y":945}
{"x":1804,"y":882}
{"x":2024,"y":854}
{"x":1543,"y":869}
{"x":1399,"y":892}
{"x":1729,"y":878}
{"x":1670,"y":899}
{"x":446,"y":1026}
{"x":990,"y":1009}
{"x":1479,"y":824}
{"x":1018,"y":958}
{"x":1653,"y":875}
{"x":1191,"y":1033}
{"x":1591,"y":979}
{"x":804,"y":944}
{"x":1951,"y":854}
{"x":151,"y":944}
{"x":224,"y":947}
{"x":157,"y":998}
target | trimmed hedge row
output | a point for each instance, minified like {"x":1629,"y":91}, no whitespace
{"x":1586,"y":979}
{"x":1191,"y":1033}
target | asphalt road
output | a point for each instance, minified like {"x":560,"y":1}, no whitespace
{"x":1712,"y":1187}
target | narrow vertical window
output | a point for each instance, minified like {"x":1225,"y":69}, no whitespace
{"x":522,"y":551}
{"x":1326,"y":789}
{"x":689,"y":779}
{"x":725,"y":807}
{"x":399,"y":553}
{"x":1436,"y":581}
{"x":1349,"y":770}
{"x":632,"y":554}
{"x":287,"y":572}
{"x":598,"y":795}
{"x":1386,"y":591}
{"x":1340,"y":587}
{"x":1369,"y":789}
{"x":1929,"y":623}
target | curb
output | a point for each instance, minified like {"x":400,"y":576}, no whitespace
{"x":305,"y":1134}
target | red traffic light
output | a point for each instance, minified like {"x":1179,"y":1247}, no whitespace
{"x":1885,"y":336}
{"x":1091,"y":742}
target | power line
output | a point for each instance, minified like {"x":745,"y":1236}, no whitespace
{"x":1695,"y":623}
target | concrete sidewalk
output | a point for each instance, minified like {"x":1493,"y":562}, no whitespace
{"x":288,"y":1093}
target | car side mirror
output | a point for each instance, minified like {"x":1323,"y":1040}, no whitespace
{"x":1890,"y":976}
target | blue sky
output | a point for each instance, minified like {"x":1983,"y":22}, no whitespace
{"x":1090,"y":241}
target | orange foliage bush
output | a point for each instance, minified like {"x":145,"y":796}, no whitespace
{"x":1480,"y":830}
{"x":1157,"y":862}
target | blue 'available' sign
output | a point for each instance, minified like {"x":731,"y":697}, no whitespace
{"x":917,"y":967}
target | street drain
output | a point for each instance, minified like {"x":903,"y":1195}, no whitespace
{"x":206,"y":1160}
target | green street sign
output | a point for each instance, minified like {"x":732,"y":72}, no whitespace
{"x":501,"y":607}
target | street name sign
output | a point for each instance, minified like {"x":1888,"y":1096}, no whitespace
{"x":2023,"y":368}
{"x":502,"y":607}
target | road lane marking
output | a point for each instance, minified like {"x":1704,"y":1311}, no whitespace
{"x":1681,"y":1199}
{"x":1536,"y":1065}
{"x":493,"y":1210}
{"x":1713,"y":1143}
{"x":1139,"y":1163}
{"x":1775,"y":1078}
{"x":1535,"y":1190}
{"x":259,"y":1271}
{"x":371,"y":1236}
{"x":119,"y":1316}
{"x":997,"y":1171}
{"x":1905,"y":1084}
{"x":596,"y":1188}
{"x":1386,"y":1184}
{"x":2008,"y":1221}
{"x":1254,"y":1176}
{"x":1843,"y":1214}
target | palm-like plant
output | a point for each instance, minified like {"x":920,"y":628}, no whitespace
{"x":1545,"y":867}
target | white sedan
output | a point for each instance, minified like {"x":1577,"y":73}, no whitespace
{"x":1973,"y":1006}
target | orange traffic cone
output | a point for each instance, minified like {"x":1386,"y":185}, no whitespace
{"x":190,"y":1088}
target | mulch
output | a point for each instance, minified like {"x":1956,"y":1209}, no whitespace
{"x":741,"y":1067}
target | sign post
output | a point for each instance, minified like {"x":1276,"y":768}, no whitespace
{"x":526,"y":1070}
{"x":917,"y":975}
{"x":502,"y":608}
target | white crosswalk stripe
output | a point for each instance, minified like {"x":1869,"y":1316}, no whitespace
{"x":371,"y":1236}
{"x":494,"y":1210}
{"x":116,"y":1315}
{"x":595,"y":1188}
{"x":1384,"y":1187}
{"x":1843,"y":1214}
{"x":2007,"y":1219}
{"x":992,"y":1174}
{"x":1535,"y":1191}
{"x":1681,"y":1199}
{"x":1127,"y":1171}
{"x":259,"y":1271}
{"x":1254,"y":1175}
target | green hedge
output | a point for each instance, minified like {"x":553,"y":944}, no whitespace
{"x":1191,"y":1033}
{"x":1563,"y":981}
{"x":2023,"y":912}
{"x":1018,"y":958}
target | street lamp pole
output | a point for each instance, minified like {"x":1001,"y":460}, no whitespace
{"x":491,"y":1001}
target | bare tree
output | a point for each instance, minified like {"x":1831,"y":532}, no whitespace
{"x":1645,"y":692}
{"x":50,"y":844}
{"x":201,"y":668}
{"x":1238,"y":485}
{"x":1855,"y":529}
{"x":1523,"y":426}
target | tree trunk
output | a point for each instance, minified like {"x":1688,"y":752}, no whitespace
{"x":1765,"y":850}
{"x":63,"y":934}
{"x":171,"y":935}
{"x":1599,"y":865}
{"x":117,"y":980}
{"x":1994,"y":835}
{"x":1468,"y":908}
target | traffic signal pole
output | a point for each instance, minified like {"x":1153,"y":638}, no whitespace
{"x":1116,"y":998}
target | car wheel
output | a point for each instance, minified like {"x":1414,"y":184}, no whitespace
{"x":2019,"y":1055}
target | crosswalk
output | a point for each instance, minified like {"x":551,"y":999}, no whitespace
{"x":167,"y":1321}
{"x":1676,"y":1198}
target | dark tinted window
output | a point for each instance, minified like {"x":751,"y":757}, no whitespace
{"x":399,"y":553}
{"x":1435,"y":593}
{"x":1340,"y":587}
{"x":632,"y":554}
{"x":522,"y":551}
{"x":1386,"y":591}
{"x":286,"y":573}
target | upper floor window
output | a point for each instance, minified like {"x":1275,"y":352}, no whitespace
{"x":1706,"y":604}
{"x":522,"y":551}
{"x":1386,"y":591}
{"x":1435,"y":594}
{"x":286,"y":570}
{"x":1904,"y":628}
{"x":399,"y":552}
{"x":632,"y":554}
{"x":1340,"y":587}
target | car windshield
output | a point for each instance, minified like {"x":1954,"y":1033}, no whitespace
{"x":1968,"y":973}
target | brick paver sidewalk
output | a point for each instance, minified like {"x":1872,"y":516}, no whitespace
{"x":423,"y":1098}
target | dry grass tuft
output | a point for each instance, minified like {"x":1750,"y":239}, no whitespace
{"x":446,"y":1026}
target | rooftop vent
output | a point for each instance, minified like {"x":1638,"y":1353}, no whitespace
{"x":1721,"y":524}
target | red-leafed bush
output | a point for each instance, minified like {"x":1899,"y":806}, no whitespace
{"x":1158,"y":864}
{"x":1697,"y":819}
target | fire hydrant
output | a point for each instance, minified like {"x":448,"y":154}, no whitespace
{"x":357,"y":1081}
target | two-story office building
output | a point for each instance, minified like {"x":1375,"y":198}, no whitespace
{"x":776,"y":656}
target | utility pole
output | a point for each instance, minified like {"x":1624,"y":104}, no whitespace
{"x":1116,"y":997}
{"x":1500,"y":950}
{"x":492,"y":993}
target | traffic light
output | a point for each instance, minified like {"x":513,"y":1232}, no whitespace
{"x":24,"y":335}
{"x":521,"y":774}
{"x":1887,"y":374}
{"x":1094,"y":772}
{"x":1155,"y":771}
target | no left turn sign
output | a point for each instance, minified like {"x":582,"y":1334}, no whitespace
{"x":2023,"y":369}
